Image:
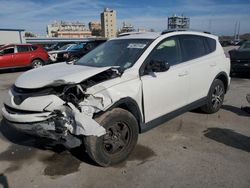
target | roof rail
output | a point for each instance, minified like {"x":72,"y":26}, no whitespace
{"x":130,"y":33}
{"x":175,"y":30}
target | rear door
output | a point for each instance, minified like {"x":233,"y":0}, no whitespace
{"x":22,"y":56}
{"x":197,"y":55}
{"x":6,"y":57}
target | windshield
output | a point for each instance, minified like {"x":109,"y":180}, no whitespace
{"x":65,"y":47}
{"x":245,"y":45}
{"x":123,"y":53}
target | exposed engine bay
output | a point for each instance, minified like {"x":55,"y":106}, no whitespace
{"x":60,"y":111}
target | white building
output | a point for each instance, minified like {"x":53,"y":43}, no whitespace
{"x":178,"y":22}
{"x":126,"y":27}
{"x":68,"y":30}
{"x":15,"y":36}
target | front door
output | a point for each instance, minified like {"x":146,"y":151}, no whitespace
{"x":164,"y":92}
{"x":6,"y":57}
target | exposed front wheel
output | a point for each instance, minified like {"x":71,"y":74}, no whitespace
{"x":215,"y":97}
{"x":36,"y":63}
{"x":118,"y":142}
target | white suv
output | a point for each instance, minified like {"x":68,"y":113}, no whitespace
{"x":126,"y":86}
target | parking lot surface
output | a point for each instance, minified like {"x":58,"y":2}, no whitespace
{"x":192,"y":150}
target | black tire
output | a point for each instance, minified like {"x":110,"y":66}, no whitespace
{"x":215,"y":97}
{"x":119,"y":141}
{"x":72,"y":58}
{"x":36,"y":63}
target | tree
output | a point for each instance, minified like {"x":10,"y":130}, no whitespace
{"x":97,"y":32}
{"x":29,"y":34}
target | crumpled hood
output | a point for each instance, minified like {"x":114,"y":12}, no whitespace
{"x":56,"y":74}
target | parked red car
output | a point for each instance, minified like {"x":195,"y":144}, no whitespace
{"x":22,"y":55}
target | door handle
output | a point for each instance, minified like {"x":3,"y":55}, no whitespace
{"x":183,"y":73}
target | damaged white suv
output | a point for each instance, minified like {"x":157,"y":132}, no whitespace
{"x":126,"y":86}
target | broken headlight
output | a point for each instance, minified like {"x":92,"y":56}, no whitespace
{"x":72,"y":93}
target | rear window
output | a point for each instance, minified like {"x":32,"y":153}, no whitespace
{"x":23,"y":48}
{"x":192,"y":47}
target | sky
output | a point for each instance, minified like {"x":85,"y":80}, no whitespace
{"x":216,"y":16}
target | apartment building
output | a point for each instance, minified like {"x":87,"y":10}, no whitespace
{"x":108,"y":23}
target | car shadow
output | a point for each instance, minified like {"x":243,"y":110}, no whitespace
{"x":19,"y":138}
{"x":236,"y":110}
{"x":240,"y":75}
{"x":13,"y":70}
{"x":229,"y":138}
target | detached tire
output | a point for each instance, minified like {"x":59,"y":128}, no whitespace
{"x":215,"y":97}
{"x":119,"y":141}
{"x":36,"y":63}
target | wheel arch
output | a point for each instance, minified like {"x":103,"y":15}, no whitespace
{"x":130,"y":105}
{"x":37,"y":58}
{"x":224,"y":78}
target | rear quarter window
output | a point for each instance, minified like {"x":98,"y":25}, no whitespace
{"x":34,"y":47}
{"x":211,"y":44}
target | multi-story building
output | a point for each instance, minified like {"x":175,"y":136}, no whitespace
{"x":126,"y":27}
{"x":108,"y":22}
{"x":178,"y":22}
{"x":68,"y":30}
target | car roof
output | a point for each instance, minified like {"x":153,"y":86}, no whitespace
{"x":154,"y":35}
{"x":139,"y":35}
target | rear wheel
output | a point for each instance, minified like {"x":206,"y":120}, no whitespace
{"x":215,"y":97}
{"x":118,"y":142}
{"x":36,"y":63}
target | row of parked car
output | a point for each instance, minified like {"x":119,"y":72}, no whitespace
{"x":34,"y":56}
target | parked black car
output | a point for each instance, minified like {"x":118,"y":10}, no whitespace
{"x":56,"y":46}
{"x":79,"y":50}
{"x":240,"y":58}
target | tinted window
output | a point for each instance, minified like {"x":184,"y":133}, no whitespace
{"x":8,"y":51}
{"x":211,"y":44}
{"x":23,"y":48}
{"x":245,"y":45}
{"x":121,"y":53}
{"x":34,"y":47}
{"x":167,"y":50}
{"x":192,"y":47}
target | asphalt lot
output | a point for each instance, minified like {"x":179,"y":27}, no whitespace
{"x":192,"y":150}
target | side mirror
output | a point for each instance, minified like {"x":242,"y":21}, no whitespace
{"x":158,"y":66}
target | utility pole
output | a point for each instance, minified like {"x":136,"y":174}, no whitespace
{"x":235,"y":30}
{"x":238,"y":38}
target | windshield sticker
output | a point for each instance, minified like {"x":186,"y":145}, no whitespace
{"x":136,"y":45}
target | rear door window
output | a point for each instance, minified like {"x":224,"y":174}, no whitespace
{"x":192,"y":47}
{"x":23,"y":48}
